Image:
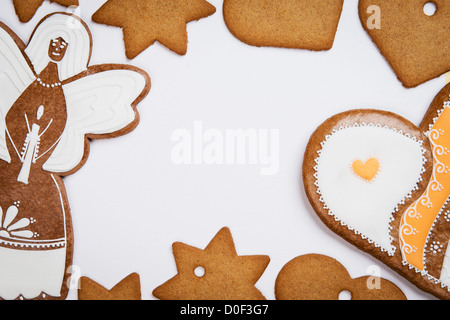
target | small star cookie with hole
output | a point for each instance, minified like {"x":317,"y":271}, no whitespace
{"x":146,"y":21}
{"x":26,"y":9}
{"x":127,"y":289}
{"x":225,"y":275}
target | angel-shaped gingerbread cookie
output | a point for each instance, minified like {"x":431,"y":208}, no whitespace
{"x":51,"y":102}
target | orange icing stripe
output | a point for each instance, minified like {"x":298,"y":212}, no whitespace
{"x":418,"y":220}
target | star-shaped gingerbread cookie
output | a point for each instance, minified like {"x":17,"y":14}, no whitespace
{"x":224,"y":275}
{"x":127,"y":289}
{"x":146,"y":21}
{"x":26,"y":9}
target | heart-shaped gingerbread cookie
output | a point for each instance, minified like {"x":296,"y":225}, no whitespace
{"x":416,"y":45}
{"x":383,"y":183}
{"x":318,"y":277}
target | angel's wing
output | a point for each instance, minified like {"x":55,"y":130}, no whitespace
{"x":15,"y":76}
{"x":97,"y":104}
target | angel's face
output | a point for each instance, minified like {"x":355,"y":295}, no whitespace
{"x":57,"y":49}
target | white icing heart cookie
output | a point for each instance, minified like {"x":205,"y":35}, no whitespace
{"x":364,"y":195}
{"x":367,"y":174}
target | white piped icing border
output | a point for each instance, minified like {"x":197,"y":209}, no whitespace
{"x":431,"y":230}
{"x":52,"y":244}
{"x":446,"y":105}
{"x":425,"y":273}
{"x":401,"y":202}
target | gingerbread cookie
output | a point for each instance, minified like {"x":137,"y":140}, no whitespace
{"x":380,"y":182}
{"x":416,"y":45}
{"x":52,"y":103}
{"x":146,"y":21}
{"x":318,"y":277}
{"x":127,"y":289}
{"x":216,"y":273}
{"x":26,"y":9}
{"x":300,"y":24}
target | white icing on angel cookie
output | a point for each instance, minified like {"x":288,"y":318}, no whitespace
{"x":51,"y":100}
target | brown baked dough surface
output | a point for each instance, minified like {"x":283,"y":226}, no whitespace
{"x":417,"y":46}
{"x":300,"y":24}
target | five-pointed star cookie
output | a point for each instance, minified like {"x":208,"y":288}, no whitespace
{"x":26,"y":9}
{"x":147,"y":21}
{"x":127,"y":289}
{"x":226,"y":276}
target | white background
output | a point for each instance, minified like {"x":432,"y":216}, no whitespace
{"x":130,"y":202}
